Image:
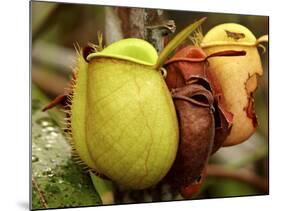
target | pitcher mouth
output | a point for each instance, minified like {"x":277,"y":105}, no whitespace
{"x":223,"y":43}
{"x":113,"y":56}
{"x":131,"y":49}
{"x":261,"y":39}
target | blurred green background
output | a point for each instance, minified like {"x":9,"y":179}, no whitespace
{"x":57,"y":179}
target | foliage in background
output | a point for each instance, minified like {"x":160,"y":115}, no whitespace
{"x":57,"y":180}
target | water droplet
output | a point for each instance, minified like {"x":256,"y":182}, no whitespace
{"x":47,"y":129}
{"x":34,"y":158}
{"x":45,"y":122}
{"x":48,"y":146}
{"x":51,"y":175}
{"x":53,"y":133}
{"x":38,"y":149}
{"x":49,"y":172}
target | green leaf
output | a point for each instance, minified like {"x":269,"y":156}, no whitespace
{"x":229,"y":188}
{"x":176,"y":41}
{"x":57,"y":180}
{"x":105,"y":189}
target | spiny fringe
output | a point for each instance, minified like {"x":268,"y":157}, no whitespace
{"x":67,"y":112}
{"x":96,"y":173}
{"x":197,"y":36}
{"x":68,"y":107}
{"x":97,"y":47}
{"x":262,"y":47}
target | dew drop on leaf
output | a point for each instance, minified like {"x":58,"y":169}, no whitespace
{"x":34,"y":158}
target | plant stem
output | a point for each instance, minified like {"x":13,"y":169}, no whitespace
{"x":242,"y":175}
